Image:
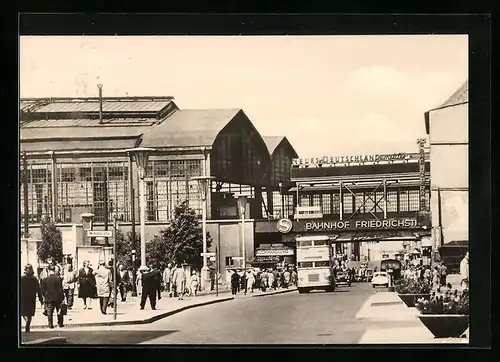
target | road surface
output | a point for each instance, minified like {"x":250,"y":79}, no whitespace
{"x":289,"y":318}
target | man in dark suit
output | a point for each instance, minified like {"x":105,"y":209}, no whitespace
{"x":149,"y":286}
{"x":52,"y":290}
{"x":123,"y":281}
{"x":157,"y":277}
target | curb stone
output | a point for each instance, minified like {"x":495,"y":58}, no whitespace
{"x":52,"y":340}
{"x":139,"y":321}
{"x":274,"y":293}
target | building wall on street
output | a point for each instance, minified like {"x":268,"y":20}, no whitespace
{"x":455,"y":215}
{"x":28,"y":253}
{"x":450,"y":167}
{"x":450,"y":124}
{"x":375,"y":250}
{"x":448,"y":137}
{"x":226,"y":234}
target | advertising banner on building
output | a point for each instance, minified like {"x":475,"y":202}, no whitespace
{"x":274,"y":252}
{"x":339,"y":225}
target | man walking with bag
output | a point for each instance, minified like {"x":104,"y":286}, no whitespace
{"x":52,"y":290}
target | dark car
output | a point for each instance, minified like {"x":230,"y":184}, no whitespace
{"x":343,"y":278}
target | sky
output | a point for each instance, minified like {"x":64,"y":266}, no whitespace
{"x":329,"y":95}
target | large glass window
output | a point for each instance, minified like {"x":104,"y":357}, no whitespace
{"x":392,"y":201}
{"x":369,"y":201}
{"x":336,"y":204}
{"x":82,"y":187}
{"x":305,"y":200}
{"x":358,"y":202}
{"x":413,"y":200}
{"x":403,"y":200}
{"x":326,"y":204}
{"x":316,"y":200}
{"x":347,"y":201}
{"x":39,"y":178}
{"x":173,"y":185}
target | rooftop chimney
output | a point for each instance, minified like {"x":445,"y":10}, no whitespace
{"x":100,"y":103}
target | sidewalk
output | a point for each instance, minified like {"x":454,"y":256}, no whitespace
{"x":387,"y":306}
{"x":127,"y":312}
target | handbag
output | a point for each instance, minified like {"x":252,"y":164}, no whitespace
{"x":63,"y":309}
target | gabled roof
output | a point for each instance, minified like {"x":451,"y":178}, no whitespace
{"x":189,"y":128}
{"x":48,"y":134}
{"x":460,"y":96}
{"x":273,"y":142}
{"x":52,"y":108}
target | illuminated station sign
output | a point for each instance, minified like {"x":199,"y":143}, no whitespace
{"x":348,"y":160}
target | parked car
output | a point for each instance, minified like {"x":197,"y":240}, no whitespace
{"x":343,"y":278}
{"x":380,"y":279}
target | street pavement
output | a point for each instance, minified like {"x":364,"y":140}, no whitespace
{"x":343,"y":317}
{"x":288,"y":318}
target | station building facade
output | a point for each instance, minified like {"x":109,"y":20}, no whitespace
{"x":371,"y":206}
{"x":74,"y":158}
{"x":447,"y":130}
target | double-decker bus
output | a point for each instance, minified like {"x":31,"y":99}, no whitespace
{"x":314,"y":264}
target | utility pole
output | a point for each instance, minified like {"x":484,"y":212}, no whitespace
{"x":105,"y":189}
{"x":25,"y":203}
{"x":106,"y":213}
{"x":115,"y":301}
{"x":132,"y":219}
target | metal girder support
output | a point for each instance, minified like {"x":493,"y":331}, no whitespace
{"x":218,"y":186}
{"x":374,"y":199}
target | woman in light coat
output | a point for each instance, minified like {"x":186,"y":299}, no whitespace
{"x":103,"y":280}
{"x":250,"y":281}
{"x":179,"y":281}
{"x":194,"y":283}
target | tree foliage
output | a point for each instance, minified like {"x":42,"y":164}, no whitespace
{"x":181,"y":241}
{"x":124,"y":247}
{"x":51,"y":245}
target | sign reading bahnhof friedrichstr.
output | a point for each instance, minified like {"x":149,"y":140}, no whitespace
{"x":340,"y":225}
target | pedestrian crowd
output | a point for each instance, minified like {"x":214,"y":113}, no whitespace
{"x":56,"y":285}
{"x":256,"y":279}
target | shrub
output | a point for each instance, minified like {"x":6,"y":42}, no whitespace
{"x":448,"y":303}
{"x":412,"y":286}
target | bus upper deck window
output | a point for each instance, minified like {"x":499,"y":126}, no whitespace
{"x":320,"y":242}
{"x":321,"y":264}
{"x":305,"y":243}
{"x":305,"y":264}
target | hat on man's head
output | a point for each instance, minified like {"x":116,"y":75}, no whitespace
{"x":143,"y":268}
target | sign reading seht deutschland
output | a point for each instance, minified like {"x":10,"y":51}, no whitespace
{"x":359,"y":224}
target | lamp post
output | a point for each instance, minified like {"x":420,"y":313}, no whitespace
{"x":203,"y":186}
{"x":242,"y":205}
{"x":141,"y":155}
{"x":282,"y":201}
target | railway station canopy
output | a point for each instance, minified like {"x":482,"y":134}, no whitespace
{"x":80,"y":128}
